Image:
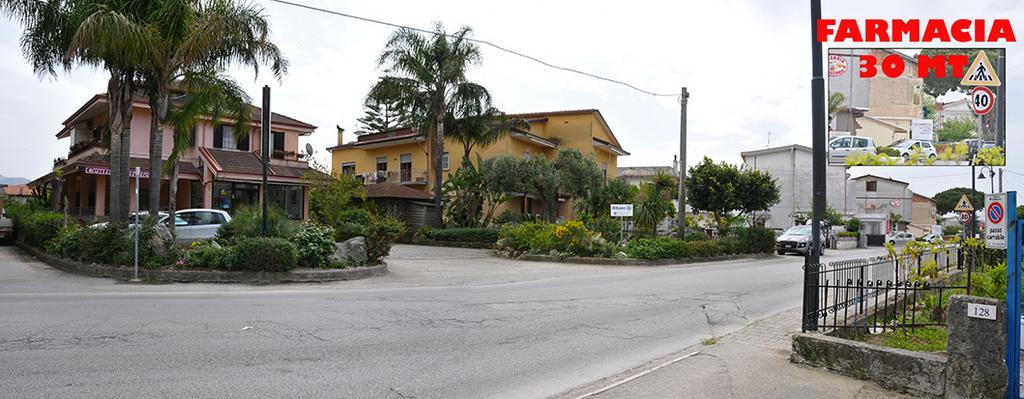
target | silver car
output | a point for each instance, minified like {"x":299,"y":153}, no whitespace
{"x":198,"y":224}
{"x":908,"y":148}
{"x":841,"y":147}
{"x":899,"y":238}
{"x":797,"y":239}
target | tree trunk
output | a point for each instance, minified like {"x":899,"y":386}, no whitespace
{"x":158,"y":113}
{"x":172,"y":198}
{"x":436,"y":156}
{"x":118,"y":172}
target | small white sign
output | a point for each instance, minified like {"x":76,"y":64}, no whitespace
{"x":622,"y":210}
{"x":979,"y":311}
{"x":995,"y":221}
{"x":922,"y":129}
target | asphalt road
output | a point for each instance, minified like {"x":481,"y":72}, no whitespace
{"x":445,"y":324}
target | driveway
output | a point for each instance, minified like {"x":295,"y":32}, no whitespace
{"x":445,"y":323}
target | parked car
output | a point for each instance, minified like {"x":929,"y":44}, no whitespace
{"x":198,"y":224}
{"x":932,"y":237}
{"x":797,"y":239}
{"x":841,"y":147}
{"x":161,"y":218}
{"x":899,"y":237}
{"x":908,"y":148}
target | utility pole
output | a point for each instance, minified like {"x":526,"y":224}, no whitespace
{"x":683,"y":99}
{"x":974,"y":203}
{"x":1000,"y":179}
{"x":265,"y":150}
{"x":818,"y":132}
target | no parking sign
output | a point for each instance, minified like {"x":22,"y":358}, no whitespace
{"x":995,"y":218}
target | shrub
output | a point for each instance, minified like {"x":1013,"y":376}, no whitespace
{"x":465,"y":234}
{"x":356,"y":215}
{"x":526,"y":237}
{"x":951,"y":230}
{"x":888,"y":151}
{"x":656,"y":248}
{"x":343,"y":231}
{"x":423,"y":233}
{"x":756,"y":240}
{"x":572,"y":238}
{"x":853,"y":225}
{"x":39,"y":228}
{"x":314,"y":243}
{"x":107,"y":244}
{"x":609,"y":228}
{"x":269,"y":254}
{"x":381,"y":234}
{"x":508,"y":217}
{"x":206,"y":255}
{"x":701,"y":249}
{"x":853,"y":234}
{"x":248,"y":222}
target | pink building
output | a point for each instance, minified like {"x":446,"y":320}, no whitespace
{"x":220,"y":170}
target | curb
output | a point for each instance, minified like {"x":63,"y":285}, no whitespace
{"x":453,"y":244}
{"x":207,"y":276}
{"x":637,"y":262}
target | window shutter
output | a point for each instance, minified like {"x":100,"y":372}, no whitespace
{"x":218,"y":137}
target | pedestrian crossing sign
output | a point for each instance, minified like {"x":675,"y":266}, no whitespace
{"x":981,"y":72}
{"x":964,"y":205}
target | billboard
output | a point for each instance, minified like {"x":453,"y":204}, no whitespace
{"x":914,"y":107}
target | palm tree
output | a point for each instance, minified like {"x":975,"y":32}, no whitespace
{"x":480,"y":127}
{"x":210,"y":95}
{"x":428,"y":74}
{"x":199,"y":39}
{"x":102,"y":33}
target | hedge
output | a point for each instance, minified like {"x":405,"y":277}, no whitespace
{"x":267,"y":254}
{"x":39,"y":228}
{"x":465,"y":234}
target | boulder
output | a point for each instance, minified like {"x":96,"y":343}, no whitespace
{"x":351,"y":252}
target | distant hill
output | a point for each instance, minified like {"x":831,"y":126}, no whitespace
{"x":12,"y":181}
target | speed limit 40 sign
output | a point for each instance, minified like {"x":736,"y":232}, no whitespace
{"x":982,"y":100}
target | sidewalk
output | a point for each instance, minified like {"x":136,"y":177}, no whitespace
{"x":749,"y":363}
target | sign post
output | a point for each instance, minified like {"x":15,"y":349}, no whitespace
{"x":622,"y":211}
{"x":137,"y":228}
{"x":1012,"y":227}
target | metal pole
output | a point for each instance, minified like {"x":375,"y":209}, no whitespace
{"x":683,"y":100}
{"x":265,"y":149}
{"x":1000,"y":179}
{"x":974,"y":202}
{"x":1013,"y":295}
{"x":1001,"y":101}
{"x":819,"y":157}
{"x":137,"y":228}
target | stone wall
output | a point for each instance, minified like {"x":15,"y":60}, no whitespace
{"x":973,"y":366}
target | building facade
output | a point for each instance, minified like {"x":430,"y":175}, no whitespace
{"x":883,"y":205}
{"x":791,"y":167}
{"x":925,"y":215}
{"x":403,"y":156}
{"x":221,"y":169}
{"x":882,"y":109}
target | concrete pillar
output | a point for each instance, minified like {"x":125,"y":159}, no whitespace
{"x":101,"y":195}
{"x":976,"y":366}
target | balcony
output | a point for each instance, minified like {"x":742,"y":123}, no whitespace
{"x":411,"y":177}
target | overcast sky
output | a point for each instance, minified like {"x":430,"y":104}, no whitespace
{"x":745,"y":63}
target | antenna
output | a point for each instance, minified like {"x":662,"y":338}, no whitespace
{"x":309,"y":149}
{"x":769,"y":139}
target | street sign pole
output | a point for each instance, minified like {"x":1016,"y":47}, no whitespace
{"x":818,"y":169}
{"x":1013,"y":296}
{"x":137,"y":227}
{"x":265,"y":150}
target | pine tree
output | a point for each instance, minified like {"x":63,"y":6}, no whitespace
{"x":382,"y":114}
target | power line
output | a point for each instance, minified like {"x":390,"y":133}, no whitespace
{"x":479,"y":41}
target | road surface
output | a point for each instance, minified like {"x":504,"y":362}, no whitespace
{"x":446,"y":323}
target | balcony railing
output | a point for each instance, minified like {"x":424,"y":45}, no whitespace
{"x":401,"y":176}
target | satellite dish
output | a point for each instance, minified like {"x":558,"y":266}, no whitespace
{"x":309,"y":149}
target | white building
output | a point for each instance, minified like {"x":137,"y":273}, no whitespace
{"x":791,"y":167}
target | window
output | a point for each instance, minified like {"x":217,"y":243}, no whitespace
{"x":348,"y":168}
{"x":860,"y":143}
{"x":277,"y":145}
{"x":290,"y":199}
{"x":444,"y":161}
{"x":405,"y":166}
{"x":197,"y":194}
{"x":872,"y":186}
{"x":230,"y":196}
{"x":224,"y":137}
{"x":382,"y":164}
{"x":192,"y":137}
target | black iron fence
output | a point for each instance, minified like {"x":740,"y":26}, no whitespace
{"x":884,"y":292}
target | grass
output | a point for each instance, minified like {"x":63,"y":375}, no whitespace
{"x":921,"y":339}
{"x":708,"y":341}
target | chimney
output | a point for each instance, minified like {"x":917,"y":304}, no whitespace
{"x":341,"y":136}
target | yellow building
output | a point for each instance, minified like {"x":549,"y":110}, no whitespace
{"x":402,"y":156}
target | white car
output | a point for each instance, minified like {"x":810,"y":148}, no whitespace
{"x":161,"y":218}
{"x":908,"y":148}
{"x":932,"y":237}
{"x":899,"y":238}
{"x":841,"y":147}
{"x":198,"y":224}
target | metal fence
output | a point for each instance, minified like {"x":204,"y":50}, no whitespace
{"x":883,"y":292}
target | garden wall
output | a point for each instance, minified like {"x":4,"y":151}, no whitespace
{"x":208,"y":276}
{"x":972,"y":367}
